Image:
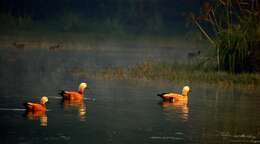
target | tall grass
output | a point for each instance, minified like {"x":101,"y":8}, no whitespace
{"x":234,"y":32}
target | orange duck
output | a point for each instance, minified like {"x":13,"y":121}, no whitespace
{"x":75,"y":95}
{"x":40,"y":106}
{"x":176,"y":97}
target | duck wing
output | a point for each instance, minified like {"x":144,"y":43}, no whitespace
{"x":161,"y":94}
{"x":29,"y":105}
{"x":169,"y":94}
{"x":70,"y":95}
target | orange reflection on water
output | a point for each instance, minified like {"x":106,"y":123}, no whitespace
{"x":38,"y":115}
{"x":179,"y":107}
{"x":76,"y":104}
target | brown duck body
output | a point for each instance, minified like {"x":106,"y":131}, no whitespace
{"x":39,"y":106}
{"x":74,"y":95}
{"x":175,"y":96}
{"x":35,"y":106}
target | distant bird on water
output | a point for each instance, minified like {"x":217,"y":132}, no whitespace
{"x":74,"y":95}
{"x":175,"y":96}
{"x":19,"y":45}
{"x":39,"y":106}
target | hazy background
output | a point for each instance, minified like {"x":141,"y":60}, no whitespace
{"x":164,"y":17}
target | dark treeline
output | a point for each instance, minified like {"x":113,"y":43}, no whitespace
{"x":136,"y":14}
{"x":42,"y":9}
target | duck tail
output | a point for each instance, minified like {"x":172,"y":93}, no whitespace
{"x":28,"y":105}
{"x":160,"y":94}
{"x":25,"y":104}
{"x":62,"y":92}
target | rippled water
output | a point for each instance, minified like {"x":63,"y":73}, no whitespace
{"x":118,"y":111}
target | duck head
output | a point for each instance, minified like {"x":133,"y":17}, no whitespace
{"x":44,"y":100}
{"x":185,"y":90}
{"x":82,"y":87}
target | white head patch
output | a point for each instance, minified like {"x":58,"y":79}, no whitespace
{"x":44,"y":99}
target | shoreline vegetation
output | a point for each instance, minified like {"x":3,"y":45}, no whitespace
{"x":199,"y":71}
{"x":233,"y":29}
{"x":177,"y":73}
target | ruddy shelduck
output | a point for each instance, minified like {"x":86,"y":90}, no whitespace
{"x":175,"y":96}
{"x":39,"y":106}
{"x":75,"y":95}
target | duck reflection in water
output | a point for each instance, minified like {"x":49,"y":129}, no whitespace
{"x":76,"y":104}
{"x":178,"y":107}
{"x":37,"y":115}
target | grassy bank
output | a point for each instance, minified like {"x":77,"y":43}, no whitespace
{"x":175,"y":73}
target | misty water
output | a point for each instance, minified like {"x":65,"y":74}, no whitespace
{"x":118,"y":111}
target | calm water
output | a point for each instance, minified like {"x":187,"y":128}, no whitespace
{"x":123,"y":111}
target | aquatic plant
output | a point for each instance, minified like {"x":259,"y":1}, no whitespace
{"x":233,"y":31}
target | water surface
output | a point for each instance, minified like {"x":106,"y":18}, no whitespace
{"x":124,"y":111}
